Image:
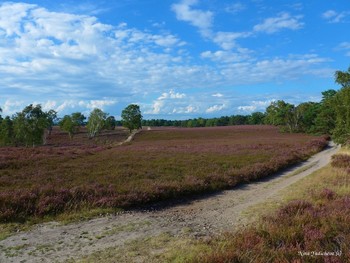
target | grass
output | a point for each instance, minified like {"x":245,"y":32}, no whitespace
{"x":158,"y":249}
{"x":65,"y":179}
{"x":312,"y":225}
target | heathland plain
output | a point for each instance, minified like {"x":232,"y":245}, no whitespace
{"x":164,"y":163}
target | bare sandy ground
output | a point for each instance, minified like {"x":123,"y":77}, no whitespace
{"x":204,"y":216}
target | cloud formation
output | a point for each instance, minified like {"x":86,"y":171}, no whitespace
{"x":75,"y":62}
{"x":282,"y":21}
{"x":202,"y":19}
{"x":335,"y":17}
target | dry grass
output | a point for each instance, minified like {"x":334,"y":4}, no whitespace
{"x":314,"y":222}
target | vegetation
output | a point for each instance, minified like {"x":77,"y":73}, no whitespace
{"x":311,"y":228}
{"x":159,"y":164}
{"x":96,"y":123}
{"x":131,"y":117}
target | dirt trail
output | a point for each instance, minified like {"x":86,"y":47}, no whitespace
{"x":208,"y":215}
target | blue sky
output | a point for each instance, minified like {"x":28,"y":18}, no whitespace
{"x":176,"y":59}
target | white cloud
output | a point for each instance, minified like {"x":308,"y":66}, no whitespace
{"x":344,"y":46}
{"x":185,"y":110}
{"x":223,"y":56}
{"x":335,"y":17}
{"x":65,"y":105}
{"x":235,"y":8}
{"x":282,"y":21}
{"x":256,"y":106}
{"x":165,"y":100}
{"x":171,"y":95}
{"x":247,"y":108}
{"x":215,"y":108}
{"x":73,"y":62}
{"x":101,"y":104}
{"x":198,"y":18}
{"x":218,"y":95}
{"x":227,"y":40}
{"x":11,"y":107}
{"x":49,"y":105}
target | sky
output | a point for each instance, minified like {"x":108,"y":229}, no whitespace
{"x":176,"y":59}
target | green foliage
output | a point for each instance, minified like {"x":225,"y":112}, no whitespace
{"x":131,"y":117}
{"x":29,"y":126}
{"x":96,"y":122}
{"x":341,"y":105}
{"x":6,"y":131}
{"x":51,"y":118}
{"x":110,"y":123}
{"x":68,"y":125}
{"x":283,"y":114}
{"x":78,"y":118}
{"x":343,"y":78}
{"x":256,"y":118}
{"x":306,"y":114}
{"x":341,"y":131}
{"x":325,"y":119}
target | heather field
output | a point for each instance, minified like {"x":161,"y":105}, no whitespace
{"x":311,"y":228}
{"x":159,"y":164}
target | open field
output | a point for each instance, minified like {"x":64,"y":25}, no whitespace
{"x":156,"y":233}
{"x":158,"y":164}
{"x":313,"y":226}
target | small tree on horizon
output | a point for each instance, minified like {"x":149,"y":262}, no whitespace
{"x":68,"y":125}
{"x":131,"y":117}
{"x":96,"y":122}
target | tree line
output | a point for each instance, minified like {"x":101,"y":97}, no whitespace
{"x":330,"y":116}
{"x":32,"y":125}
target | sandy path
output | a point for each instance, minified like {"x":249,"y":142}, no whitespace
{"x":208,"y":215}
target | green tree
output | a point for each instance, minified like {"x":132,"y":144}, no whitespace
{"x":96,"y":122}
{"x":341,"y":103}
{"x":306,"y":113}
{"x":6,"y":131}
{"x":326,"y":117}
{"x":29,"y":125}
{"x":281,"y":113}
{"x":110,"y":123}
{"x":52,"y":118}
{"x":131,"y":117}
{"x":68,"y":125}
{"x":78,"y":118}
{"x":256,"y":118}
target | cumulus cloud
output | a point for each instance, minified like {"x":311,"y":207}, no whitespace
{"x":171,"y":95}
{"x":11,"y":107}
{"x":201,"y":19}
{"x":335,"y":17}
{"x":282,"y":21}
{"x":76,"y":62}
{"x":227,"y":40}
{"x":43,"y":51}
{"x":215,"y":108}
{"x":255,"y":106}
{"x":165,"y":100}
{"x":224,"y":56}
{"x":101,"y":104}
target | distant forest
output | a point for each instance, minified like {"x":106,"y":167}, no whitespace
{"x":330,"y":116}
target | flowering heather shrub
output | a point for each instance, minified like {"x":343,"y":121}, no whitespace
{"x":158,"y":164}
{"x":341,"y":160}
{"x":297,"y":227}
{"x":327,"y":194}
